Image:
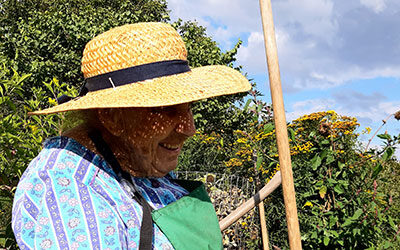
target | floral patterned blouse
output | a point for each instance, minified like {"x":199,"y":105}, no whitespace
{"x":69,"y":198}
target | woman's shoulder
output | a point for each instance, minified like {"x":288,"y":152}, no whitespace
{"x":60,"y":153}
{"x":61,"y":157}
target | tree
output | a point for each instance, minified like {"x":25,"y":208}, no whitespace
{"x":216,"y":114}
{"x":46,"y":38}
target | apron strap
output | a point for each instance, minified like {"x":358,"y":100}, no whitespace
{"x":146,"y":228}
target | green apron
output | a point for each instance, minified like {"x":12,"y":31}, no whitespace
{"x":188,"y":223}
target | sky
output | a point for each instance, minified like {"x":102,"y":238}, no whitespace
{"x":341,"y":55}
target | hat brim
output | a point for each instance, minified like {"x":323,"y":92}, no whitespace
{"x":199,"y":83}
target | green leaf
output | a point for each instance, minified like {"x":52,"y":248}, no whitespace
{"x":325,"y":142}
{"x":378,"y":168}
{"x":314,"y":235}
{"x":260,"y":159}
{"x":197,"y":116}
{"x":268,"y":127}
{"x":315,"y":162}
{"x":324,"y":153}
{"x":391,"y":223}
{"x":388,"y":153}
{"x":357,"y":214}
{"x":339,"y":189}
{"x":388,"y":244}
{"x":356,"y":231}
{"x":347,"y":222}
{"x":384,"y":136}
{"x":246,"y":106}
{"x":23,"y":77}
{"x":332,"y":220}
{"x":337,"y":174}
{"x":271,"y":164}
{"x":322,"y":191}
{"x":326,"y":240}
{"x":330,"y":158}
{"x":292,"y":134}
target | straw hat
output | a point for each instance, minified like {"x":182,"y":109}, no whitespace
{"x":144,"y":65}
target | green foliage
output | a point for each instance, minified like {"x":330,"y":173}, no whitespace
{"x":344,"y":198}
{"x":341,"y":195}
{"x":211,"y":151}
{"x":21,"y":135}
{"x":215,"y":118}
{"x":202,"y":50}
{"x":217,"y":115}
{"x":47,"y":38}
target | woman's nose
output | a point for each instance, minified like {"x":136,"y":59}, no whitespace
{"x":186,"y":124}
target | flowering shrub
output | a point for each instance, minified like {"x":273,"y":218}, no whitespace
{"x":340,"y":199}
{"x":343,"y":198}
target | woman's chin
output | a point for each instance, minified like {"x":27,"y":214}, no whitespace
{"x":162,"y":169}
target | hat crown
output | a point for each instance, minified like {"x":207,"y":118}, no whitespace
{"x":132,"y":45}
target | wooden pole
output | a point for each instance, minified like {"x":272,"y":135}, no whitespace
{"x":280,"y":125}
{"x":252,"y":202}
{"x":263,"y":223}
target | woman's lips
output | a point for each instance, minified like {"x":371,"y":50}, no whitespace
{"x":170,"y":147}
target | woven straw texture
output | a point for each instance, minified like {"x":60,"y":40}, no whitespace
{"x":142,"y":43}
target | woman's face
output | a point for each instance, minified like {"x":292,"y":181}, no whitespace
{"x":153,"y":137}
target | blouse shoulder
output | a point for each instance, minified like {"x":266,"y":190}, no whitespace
{"x":53,"y":196}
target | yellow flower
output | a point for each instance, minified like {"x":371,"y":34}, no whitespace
{"x":308,"y":204}
{"x":34,"y":129}
{"x":52,"y":102}
{"x":241,"y":140}
{"x":251,"y":179}
{"x":234,"y":162}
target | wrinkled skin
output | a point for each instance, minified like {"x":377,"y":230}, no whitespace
{"x":145,"y":141}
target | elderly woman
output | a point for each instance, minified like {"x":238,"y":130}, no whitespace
{"x":107,"y":184}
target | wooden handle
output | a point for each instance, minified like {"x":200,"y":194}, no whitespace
{"x":252,"y":202}
{"x":263,"y":224}
{"x":280,"y":125}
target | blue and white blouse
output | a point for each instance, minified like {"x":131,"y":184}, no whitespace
{"x":69,"y":198}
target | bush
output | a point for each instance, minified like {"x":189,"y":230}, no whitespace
{"x":344,"y":199}
{"x":46,"y":38}
{"x":340,"y":191}
{"x":22,"y":135}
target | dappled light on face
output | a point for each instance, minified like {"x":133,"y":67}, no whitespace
{"x":186,"y":125}
{"x":153,"y":137}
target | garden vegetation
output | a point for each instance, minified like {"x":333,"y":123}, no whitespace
{"x":347,"y":195}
